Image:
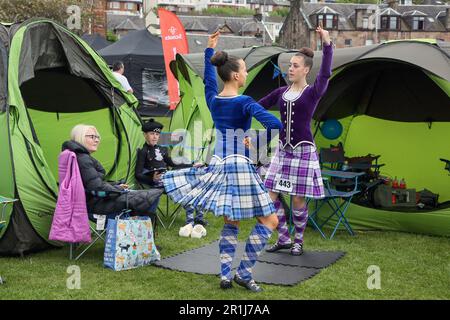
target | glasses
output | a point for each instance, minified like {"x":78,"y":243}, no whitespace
{"x":92,"y":136}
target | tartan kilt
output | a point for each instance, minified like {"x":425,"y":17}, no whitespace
{"x":229,"y":187}
{"x":301,"y":167}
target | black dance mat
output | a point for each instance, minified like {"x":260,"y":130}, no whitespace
{"x":272,"y":268}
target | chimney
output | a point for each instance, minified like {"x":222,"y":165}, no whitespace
{"x":393,"y":4}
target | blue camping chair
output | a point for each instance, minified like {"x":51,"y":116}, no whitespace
{"x":98,"y":228}
{"x":337,"y":200}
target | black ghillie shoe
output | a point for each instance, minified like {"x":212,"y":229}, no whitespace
{"x":297,"y":249}
{"x":226,"y":284}
{"x":248,"y":284}
{"x":277,"y":246}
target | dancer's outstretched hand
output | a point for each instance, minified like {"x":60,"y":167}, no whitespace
{"x":324,"y":34}
{"x":247,"y":142}
{"x":212,"y":40}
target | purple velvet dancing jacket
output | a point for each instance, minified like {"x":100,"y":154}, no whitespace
{"x":296,"y":115}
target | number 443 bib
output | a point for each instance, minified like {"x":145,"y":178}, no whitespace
{"x":283,"y":184}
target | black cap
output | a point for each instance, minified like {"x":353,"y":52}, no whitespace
{"x":152,"y":126}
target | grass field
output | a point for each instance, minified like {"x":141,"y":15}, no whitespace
{"x":412,"y":267}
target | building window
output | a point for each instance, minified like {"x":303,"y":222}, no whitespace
{"x":365,"y":23}
{"x":418,"y":23}
{"x":393,"y":23}
{"x":329,"y":21}
{"x":390,"y":23}
{"x":348,"y":42}
{"x":114,"y":5}
{"x":130,"y":6}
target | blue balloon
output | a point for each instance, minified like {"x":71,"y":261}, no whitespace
{"x":331,"y":129}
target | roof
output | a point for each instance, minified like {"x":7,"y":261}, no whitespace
{"x":346,"y":12}
{"x":126,"y":24}
{"x":96,"y":41}
{"x":212,"y":23}
{"x":270,"y":2}
{"x":197,"y":42}
{"x":113,"y":20}
{"x":135,"y":1}
{"x":195,"y":25}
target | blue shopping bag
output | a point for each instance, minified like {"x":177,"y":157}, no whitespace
{"x":129,"y":243}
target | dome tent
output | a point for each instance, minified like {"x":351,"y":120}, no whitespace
{"x":394,"y":100}
{"x":143,"y":58}
{"x":51,"y":81}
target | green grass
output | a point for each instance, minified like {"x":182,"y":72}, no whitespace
{"x":412,"y":267}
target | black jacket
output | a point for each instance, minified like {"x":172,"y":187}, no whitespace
{"x":153,"y":157}
{"x":93,"y":176}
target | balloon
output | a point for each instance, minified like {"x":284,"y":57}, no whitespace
{"x":331,"y":129}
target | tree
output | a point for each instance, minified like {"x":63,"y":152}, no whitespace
{"x":20,"y":10}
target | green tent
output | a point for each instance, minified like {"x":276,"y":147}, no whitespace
{"x":50,"y":81}
{"x":392,"y":99}
{"x":192,"y":113}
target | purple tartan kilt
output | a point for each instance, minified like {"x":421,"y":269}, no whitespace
{"x":301,"y":167}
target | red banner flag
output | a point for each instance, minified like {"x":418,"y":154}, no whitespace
{"x":174,"y":41}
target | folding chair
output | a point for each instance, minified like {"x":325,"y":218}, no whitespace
{"x":337,"y":200}
{"x":334,"y":158}
{"x":100,"y":221}
{"x":4,"y":202}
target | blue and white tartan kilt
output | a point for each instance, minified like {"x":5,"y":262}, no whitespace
{"x":229,"y":187}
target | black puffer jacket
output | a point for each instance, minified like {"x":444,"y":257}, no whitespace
{"x":92,"y":173}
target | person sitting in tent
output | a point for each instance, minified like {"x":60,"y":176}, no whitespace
{"x":152,"y":161}
{"x":229,"y":186}
{"x":295,"y":167}
{"x":118,"y":71}
{"x":85,"y":140}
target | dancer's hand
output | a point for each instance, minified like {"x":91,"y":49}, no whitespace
{"x":212,"y":40}
{"x":157,"y":177}
{"x":324,"y":35}
{"x":247,"y":142}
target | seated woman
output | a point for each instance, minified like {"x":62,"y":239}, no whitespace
{"x":85,"y":140}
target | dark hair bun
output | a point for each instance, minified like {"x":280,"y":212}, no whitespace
{"x":219,"y":58}
{"x":307,"y":52}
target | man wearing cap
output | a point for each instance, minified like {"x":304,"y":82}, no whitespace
{"x":153,"y":160}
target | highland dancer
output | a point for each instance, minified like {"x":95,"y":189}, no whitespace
{"x":229,"y":186}
{"x":295,"y":168}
